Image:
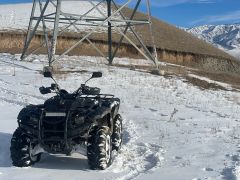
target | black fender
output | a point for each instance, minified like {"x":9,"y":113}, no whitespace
{"x":30,"y":114}
{"x":99,"y":113}
{"x":104,"y":115}
{"x":115,"y":110}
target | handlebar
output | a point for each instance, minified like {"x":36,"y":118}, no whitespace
{"x":83,"y":90}
{"x":88,"y":90}
{"x":47,"y":90}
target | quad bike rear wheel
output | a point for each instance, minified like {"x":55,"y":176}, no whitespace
{"x":99,"y":148}
{"x":21,"y":150}
{"x":117,"y":133}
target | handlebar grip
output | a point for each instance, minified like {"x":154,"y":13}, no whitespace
{"x":44,"y":90}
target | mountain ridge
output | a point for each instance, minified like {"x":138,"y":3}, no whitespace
{"x":224,"y":36}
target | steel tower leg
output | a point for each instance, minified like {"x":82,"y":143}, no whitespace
{"x":127,"y":26}
{"x":45,"y":31}
{"x":29,"y":30}
{"x":151,"y":33}
{"x":109,"y":11}
{"x":148,"y":53}
{"x":55,"y":32}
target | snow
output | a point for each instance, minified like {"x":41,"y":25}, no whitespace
{"x":235,"y":52}
{"x":238,"y":173}
{"x":16,"y":16}
{"x":172,"y":129}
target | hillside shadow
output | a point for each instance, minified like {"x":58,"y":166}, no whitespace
{"x":228,"y":174}
{"x":126,"y":136}
{"x":5,"y":160}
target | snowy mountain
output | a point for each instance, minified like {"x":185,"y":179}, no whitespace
{"x":225,"y":37}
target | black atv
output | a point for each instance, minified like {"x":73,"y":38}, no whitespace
{"x":84,"y":120}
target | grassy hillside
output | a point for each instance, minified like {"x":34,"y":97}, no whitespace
{"x":168,"y":37}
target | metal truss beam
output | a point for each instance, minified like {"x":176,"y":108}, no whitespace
{"x":113,"y":21}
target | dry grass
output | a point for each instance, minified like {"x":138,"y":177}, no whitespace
{"x":12,"y":42}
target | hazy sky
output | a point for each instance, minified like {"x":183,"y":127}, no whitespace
{"x":188,"y":13}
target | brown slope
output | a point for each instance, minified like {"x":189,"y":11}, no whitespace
{"x":169,"y":37}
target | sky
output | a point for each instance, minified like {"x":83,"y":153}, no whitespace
{"x":187,"y":13}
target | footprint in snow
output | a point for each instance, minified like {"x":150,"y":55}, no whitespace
{"x":137,"y":107}
{"x":153,"y":110}
{"x":177,"y":157}
{"x":207,"y":169}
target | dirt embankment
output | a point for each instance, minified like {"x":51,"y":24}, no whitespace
{"x":13,"y":42}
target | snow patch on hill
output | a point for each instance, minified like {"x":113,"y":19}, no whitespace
{"x":16,"y":16}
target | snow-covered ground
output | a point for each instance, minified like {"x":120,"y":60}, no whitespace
{"x":172,"y":129}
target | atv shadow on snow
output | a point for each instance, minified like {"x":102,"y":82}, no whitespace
{"x":61,"y":162}
{"x":68,"y":162}
{"x":47,"y":162}
{"x":5,"y":160}
{"x":126,"y":136}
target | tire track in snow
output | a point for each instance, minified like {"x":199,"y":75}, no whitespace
{"x":20,"y":103}
{"x":16,"y":64}
{"x":18,"y":98}
{"x":136,"y":158}
{"x":20,"y":93}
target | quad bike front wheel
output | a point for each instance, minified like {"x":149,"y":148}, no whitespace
{"x":117,"y":133}
{"x":99,"y":148}
{"x":21,"y":150}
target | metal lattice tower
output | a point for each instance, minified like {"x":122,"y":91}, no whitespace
{"x":50,"y":24}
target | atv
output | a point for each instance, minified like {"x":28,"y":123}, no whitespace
{"x":84,"y":121}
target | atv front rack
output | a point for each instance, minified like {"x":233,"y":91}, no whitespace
{"x":102,"y":96}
